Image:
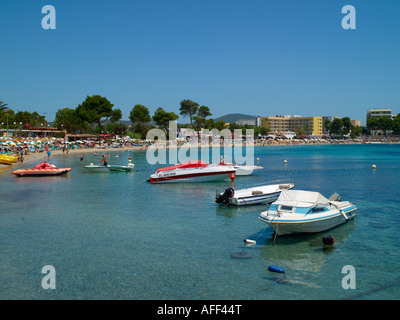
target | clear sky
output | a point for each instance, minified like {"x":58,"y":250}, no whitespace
{"x":256,"y":57}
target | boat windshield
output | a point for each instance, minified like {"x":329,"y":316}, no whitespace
{"x":187,"y":165}
{"x":319,"y":209}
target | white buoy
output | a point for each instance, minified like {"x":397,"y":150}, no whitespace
{"x":373,"y":166}
{"x":284,"y":161}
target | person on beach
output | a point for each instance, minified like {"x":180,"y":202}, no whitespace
{"x":104,"y":160}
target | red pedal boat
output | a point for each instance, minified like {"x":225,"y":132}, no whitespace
{"x":42,"y":169}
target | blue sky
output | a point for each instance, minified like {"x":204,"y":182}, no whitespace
{"x":257,"y":57}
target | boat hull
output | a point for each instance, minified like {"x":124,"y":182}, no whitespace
{"x":246,"y":170}
{"x":40,"y":172}
{"x":192,"y":177}
{"x":283,"y":226}
{"x":255,"y":195}
{"x":250,"y":200}
{"x":96,"y":168}
{"x":114,"y":168}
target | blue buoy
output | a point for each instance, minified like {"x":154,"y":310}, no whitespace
{"x":276,"y":269}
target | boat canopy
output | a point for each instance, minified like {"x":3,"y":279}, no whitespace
{"x":300,"y":198}
{"x":186,"y":165}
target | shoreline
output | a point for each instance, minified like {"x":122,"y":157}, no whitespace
{"x":37,"y":157}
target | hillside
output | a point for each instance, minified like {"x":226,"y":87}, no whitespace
{"x":233,"y":117}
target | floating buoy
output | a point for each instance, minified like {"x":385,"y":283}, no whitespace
{"x":373,"y":166}
{"x":284,"y":161}
{"x":232,"y":176}
{"x":241,"y":255}
{"x":249,"y":241}
{"x":276,"y":269}
{"x":328,"y":240}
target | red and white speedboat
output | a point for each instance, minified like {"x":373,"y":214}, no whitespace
{"x":192,"y":171}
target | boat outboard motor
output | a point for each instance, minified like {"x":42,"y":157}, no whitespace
{"x":224,"y":198}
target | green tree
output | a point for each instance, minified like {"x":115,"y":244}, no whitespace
{"x":97,"y":109}
{"x":308,"y":129}
{"x":200,"y":120}
{"x":373,"y":124}
{"x":396,"y":124}
{"x":204,"y":112}
{"x":356,"y":131}
{"x":385,"y":124}
{"x":188,"y":108}
{"x":139,"y":116}
{"x":219,"y":125}
{"x":327,"y":126}
{"x":162,"y":118}
{"x":337,"y":126}
{"x":347,"y":126}
{"x":116,"y":128}
{"x":3,"y":106}
{"x":67,"y":119}
{"x":299,"y":131}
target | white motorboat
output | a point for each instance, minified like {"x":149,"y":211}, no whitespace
{"x":96,"y":168}
{"x":245,"y":170}
{"x":120,"y":168}
{"x":113,"y":168}
{"x":298,"y":211}
{"x":256,"y":195}
{"x":192,"y":171}
{"x":241,"y":170}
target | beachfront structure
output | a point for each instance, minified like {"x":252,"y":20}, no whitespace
{"x":356,"y":123}
{"x":258,"y":121}
{"x":286,"y":124}
{"x":250,"y":122}
{"x":379,"y":113}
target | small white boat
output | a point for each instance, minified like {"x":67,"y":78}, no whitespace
{"x":245,"y":170}
{"x":119,"y":168}
{"x":192,"y":171}
{"x":96,"y":168}
{"x":298,"y":211}
{"x":255,"y":195}
{"x":241,"y":170}
{"x":113,"y":168}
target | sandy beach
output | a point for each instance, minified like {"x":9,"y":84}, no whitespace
{"x":34,"y":158}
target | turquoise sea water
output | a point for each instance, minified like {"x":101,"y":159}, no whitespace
{"x":115,"y":236}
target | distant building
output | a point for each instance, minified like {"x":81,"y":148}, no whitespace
{"x":285,"y":124}
{"x":330,"y":118}
{"x":379,"y":113}
{"x":258,"y":121}
{"x":356,"y":123}
{"x":243,"y":122}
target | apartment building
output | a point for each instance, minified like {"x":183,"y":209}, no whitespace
{"x":378,"y":113}
{"x":285,"y":124}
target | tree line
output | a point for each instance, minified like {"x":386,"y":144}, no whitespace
{"x":96,"y":114}
{"x":344,"y":126}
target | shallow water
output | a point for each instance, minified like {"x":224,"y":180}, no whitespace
{"x":115,"y":236}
